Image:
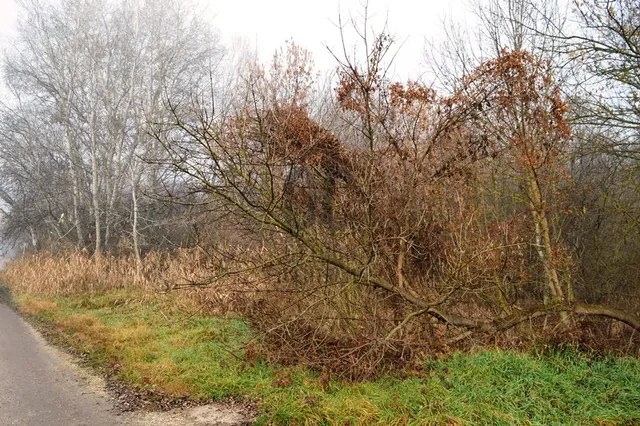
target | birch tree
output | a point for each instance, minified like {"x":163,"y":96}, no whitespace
{"x":99,"y":73}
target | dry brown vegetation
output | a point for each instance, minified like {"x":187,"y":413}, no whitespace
{"x":77,"y":272}
{"x":361,"y":229}
{"x":309,"y":314}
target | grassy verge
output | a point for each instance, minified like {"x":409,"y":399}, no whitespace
{"x":153,"y":343}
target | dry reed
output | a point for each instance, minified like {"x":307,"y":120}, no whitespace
{"x":78,"y":272}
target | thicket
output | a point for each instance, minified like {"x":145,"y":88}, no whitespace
{"x":360,"y":228}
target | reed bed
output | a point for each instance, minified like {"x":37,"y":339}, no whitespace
{"x":77,"y":272}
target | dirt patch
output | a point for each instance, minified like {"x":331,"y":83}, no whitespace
{"x":209,"y":415}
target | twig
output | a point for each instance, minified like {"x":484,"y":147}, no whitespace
{"x":404,"y":322}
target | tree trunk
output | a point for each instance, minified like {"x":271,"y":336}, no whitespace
{"x":73,"y":157}
{"x":95,"y":187}
{"x":134,"y":230}
{"x":543,"y":242}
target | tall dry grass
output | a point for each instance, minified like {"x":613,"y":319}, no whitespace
{"x":77,"y":272}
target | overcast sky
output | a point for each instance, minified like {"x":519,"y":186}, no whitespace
{"x":267,"y":24}
{"x":313,"y":24}
{"x":7,"y":16}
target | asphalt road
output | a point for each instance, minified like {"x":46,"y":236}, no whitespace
{"x":37,"y":385}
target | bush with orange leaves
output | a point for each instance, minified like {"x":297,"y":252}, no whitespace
{"x":388,"y":235}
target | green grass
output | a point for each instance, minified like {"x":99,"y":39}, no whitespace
{"x":156,"y":343}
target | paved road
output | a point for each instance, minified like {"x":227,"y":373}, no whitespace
{"x":37,"y":385}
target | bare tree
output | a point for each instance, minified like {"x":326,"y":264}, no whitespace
{"x":98,"y":74}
